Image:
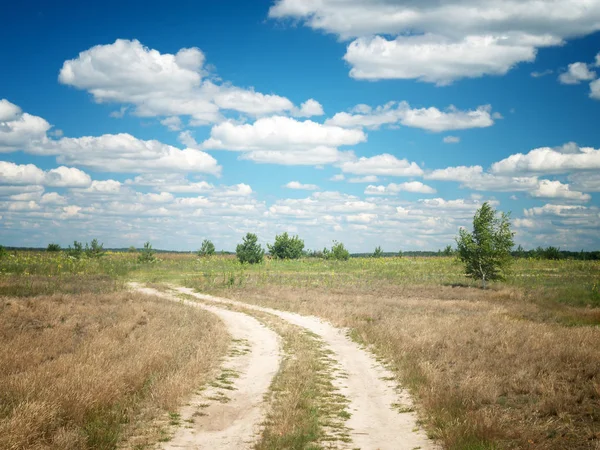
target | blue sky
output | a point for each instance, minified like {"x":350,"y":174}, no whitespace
{"x":373,"y":122}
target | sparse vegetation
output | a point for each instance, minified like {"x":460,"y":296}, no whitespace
{"x":286,"y":247}
{"x":338,"y":252}
{"x":76,"y":251}
{"x":207,"y":248}
{"x":250,"y":251}
{"x":486,"y":251}
{"x":147,"y":254}
{"x":94,"y":250}
{"x":378,"y":253}
{"x":53,"y":248}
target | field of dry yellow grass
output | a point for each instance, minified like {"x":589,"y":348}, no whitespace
{"x":84,"y":370}
{"x":86,"y":364}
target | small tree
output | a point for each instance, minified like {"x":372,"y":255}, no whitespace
{"x":486,"y":251}
{"x":337,"y":252}
{"x":146,"y":254}
{"x":207,"y":248}
{"x":53,"y":248}
{"x":448,"y":251}
{"x":552,"y":253}
{"x":286,"y":247}
{"x":250,"y":251}
{"x":95,"y":249}
{"x":378,"y":253}
{"x":132,"y":249}
{"x":76,"y":251}
{"x":3,"y":252}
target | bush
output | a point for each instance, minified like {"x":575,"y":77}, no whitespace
{"x":448,"y":251}
{"x":486,"y":251}
{"x":132,"y":249}
{"x":207,"y":248}
{"x":53,"y":248}
{"x":146,"y":254}
{"x":338,"y":252}
{"x":378,"y":253}
{"x":3,"y":251}
{"x":552,"y":253}
{"x":250,"y":251}
{"x":95,"y":250}
{"x":76,"y":251}
{"x":286,"y":247}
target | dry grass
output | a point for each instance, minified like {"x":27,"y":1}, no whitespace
{"x":489,"y":369}
{"x":75,"y":368}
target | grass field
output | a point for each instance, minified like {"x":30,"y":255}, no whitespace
{"x":514,"y":366}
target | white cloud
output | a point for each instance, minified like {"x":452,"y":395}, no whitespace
{"x":52,"y":198}
{"x":17,"y":129}
{"x":29,"y":174}
{"x":543,"y":73}
{"x":164,"y":84}
{"x":298,"y":185}
{"x":595,"y":89}
{"x":283,"y":140}
{"x":365,"y":179}
{"x":474,"y":177}
{"x":173,"y":123}
{"x":569,"y":157}
{"x":586,"y":181}
{"x":437,"y":59}
{"x":309,"y":108}
{"x":576,"y":73}
{"x":338,"y":177}
{"x":443,"y":41}
{"x":392,"y":188}
{"x":431,"y":119}
{"x":451,"y":140}
{"x":105,"y":187}
{"x":384,"y":164}
{"x":555,"y":189}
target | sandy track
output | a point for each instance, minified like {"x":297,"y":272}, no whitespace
{"x":234,"y":421}
{"x":376,"y":422}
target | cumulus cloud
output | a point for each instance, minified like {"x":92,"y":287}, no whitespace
{"x":474,"y":177}
{"x":164,"y":84}
{"x":556,"y":189}
{"x":298,"y":185}
{"x":431,"y":119}
{"x":309,"y":108}
{"x":569,"y":157}
{"x":284,"y":140}
{"x":576,"y":73}
{"x":443,"y":41}
{"x":29,"y":174}
{"x":365,"y":179}
{"x":392,"y":188}
{"x":384,"y":164}
{"x":110,"y":152}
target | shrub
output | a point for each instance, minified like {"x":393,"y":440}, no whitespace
{"x":486,"y":251}
{"x":552,"y":253}
{"x":207,"y":248}
{"x":146,"y":254}
{"x":132,"y":249}
{"x":338,"y":252}
{"x":76,"y":251}
{"x":286,"y":247}
{"x":95,"y":250}
{"x":378,"y":253}
{"x":250,"y":251}
{"x":53,"y":248}
{"x":448,"y":251}
{"x":3,"y":251}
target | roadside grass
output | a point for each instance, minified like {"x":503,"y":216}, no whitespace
{"x":483,"y":376}
{"x":91,"y":365}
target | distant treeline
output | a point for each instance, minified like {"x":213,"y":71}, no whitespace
{"x":550,"y":253}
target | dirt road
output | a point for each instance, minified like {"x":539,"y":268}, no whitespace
{"x":381,"y":414}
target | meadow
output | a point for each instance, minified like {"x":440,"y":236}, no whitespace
{"x":513,"y":366}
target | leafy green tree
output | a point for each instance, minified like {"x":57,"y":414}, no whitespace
{"x":95,"y":249}
{"x":146,"y":254}
{"x":132,"y":249}
{"x":486,"y":251}
{"x":338,"y":252}
{"x":76,"y":251}
{"x":286,"y":247}
{"x":250,"y":251}
{"x":520,"y":252}
{"x":207,"y":248}
{"x":448,"y":251}
{"x":53,"y":248}
{"x":552,"y":253}
{"x":378,"y":253}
